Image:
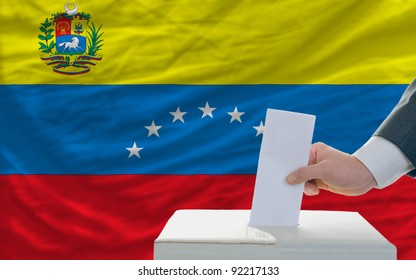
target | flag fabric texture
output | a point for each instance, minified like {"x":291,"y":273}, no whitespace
{"x":166,"y":109}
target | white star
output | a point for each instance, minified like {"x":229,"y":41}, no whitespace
{"x":134,"y":151}
{"x":260,"y":128}
{"x":207,"y":111}
{"x":235,"y":115}
{"x":153,"y":129}
{"x":178,"y":115}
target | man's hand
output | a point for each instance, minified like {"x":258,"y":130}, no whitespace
{"x":333,"y":170}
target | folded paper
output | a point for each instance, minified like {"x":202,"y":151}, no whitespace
{"x":285,"y":147}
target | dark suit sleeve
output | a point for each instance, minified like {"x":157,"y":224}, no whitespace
{"x":400,"y":126}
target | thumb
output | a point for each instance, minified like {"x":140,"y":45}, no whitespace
{"x":304,"y":174}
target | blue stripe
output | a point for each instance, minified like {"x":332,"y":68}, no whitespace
{"x":85,"y":129}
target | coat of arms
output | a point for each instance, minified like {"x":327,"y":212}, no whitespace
{"x":70,"y":42}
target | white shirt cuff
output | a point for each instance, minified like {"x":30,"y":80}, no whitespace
{"x":385,"y":160}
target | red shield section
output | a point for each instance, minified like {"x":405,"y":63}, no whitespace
{"x":63,"y":27}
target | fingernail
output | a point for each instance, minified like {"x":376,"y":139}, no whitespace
{"x":311,"y":191}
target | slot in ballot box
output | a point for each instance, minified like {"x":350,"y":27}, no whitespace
{"x":225,"y":234}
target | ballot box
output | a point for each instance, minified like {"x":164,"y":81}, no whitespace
{"x":225,"y":234}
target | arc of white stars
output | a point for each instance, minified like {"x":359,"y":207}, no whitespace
{"x":134,"y":151}
{"x":260,"y":128}
{"x":236,"y":115}
{"x":207,"y":110}
{"x":153,"y":129}
{"x":178,"y":115}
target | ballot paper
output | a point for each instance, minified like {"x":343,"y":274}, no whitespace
{"x":285,"y":147}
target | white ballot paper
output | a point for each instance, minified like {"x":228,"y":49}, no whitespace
{"x":285,"y":147}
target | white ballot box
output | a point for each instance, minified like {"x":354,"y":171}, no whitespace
{"x":225,"y":234}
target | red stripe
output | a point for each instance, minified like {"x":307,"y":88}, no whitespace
{"x":103,"y":217}
{"x":118,"y":217}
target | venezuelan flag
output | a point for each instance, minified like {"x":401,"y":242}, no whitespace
{"x":159,"y":105}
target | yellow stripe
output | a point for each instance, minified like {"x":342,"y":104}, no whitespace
{"x":224,"y":42}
